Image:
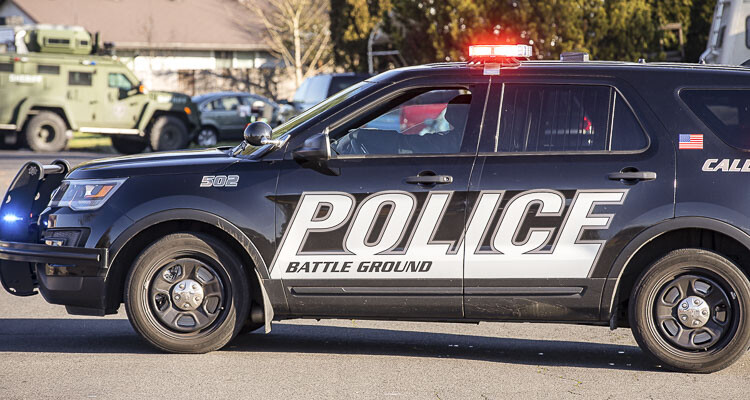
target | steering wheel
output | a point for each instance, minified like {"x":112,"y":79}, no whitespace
{"x":356,"y":146}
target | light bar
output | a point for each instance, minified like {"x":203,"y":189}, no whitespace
{"x":502,"y":50}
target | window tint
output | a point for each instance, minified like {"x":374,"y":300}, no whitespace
{"x":119,"y":81}
{"x":554,"y":118}
{"x":725,"y":111}
{"x":420,"y":122}
{"x":627,"y":133}
{"x":78,"y":78}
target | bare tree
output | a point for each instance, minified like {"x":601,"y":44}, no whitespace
{"x":298,"y":32}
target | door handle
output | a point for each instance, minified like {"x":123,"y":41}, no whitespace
{"x":632,"y":176}
{"x":429,"y":179}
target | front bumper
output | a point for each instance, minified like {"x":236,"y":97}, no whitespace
{"x":72,"y":276}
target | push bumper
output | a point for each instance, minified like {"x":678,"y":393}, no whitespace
{"x":71,"y":276}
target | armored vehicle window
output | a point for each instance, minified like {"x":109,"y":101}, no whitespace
{"x":725,"y":111}
{"x":554,"y":118}
{"x":6,"y":67}
{"x":48,"y":69}
{"x":78,"y":78}
{"x":419,"y":122}
{"x":627,"y":133}
{"x":119,"y":81}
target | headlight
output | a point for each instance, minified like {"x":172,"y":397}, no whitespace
{"x":86,"y":194}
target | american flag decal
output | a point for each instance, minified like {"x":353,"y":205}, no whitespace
{"x":691,"y":142}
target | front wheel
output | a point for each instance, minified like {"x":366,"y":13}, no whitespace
{"x":187,"y":293}
{"x":689,"y":311}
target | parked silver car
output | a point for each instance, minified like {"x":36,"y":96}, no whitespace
{"x":224,"y":115}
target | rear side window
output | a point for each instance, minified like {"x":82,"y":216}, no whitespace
{"x":627,"y":133}
{"x":78,"y":78}
{"x":567,"y":118}
{"x":725,"y":111}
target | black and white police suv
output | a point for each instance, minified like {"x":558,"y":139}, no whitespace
{"x":602,"y":193}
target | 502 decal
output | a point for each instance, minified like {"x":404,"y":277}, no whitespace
{"x":220,"y":181}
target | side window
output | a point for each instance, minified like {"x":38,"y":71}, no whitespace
{"x":119,"y":81}
{"x":318,"y":89}
{"x":418,"y":122}
{"x":627,"y":133}
{"x":217,"y":105}
{"x":554,"y":118}
{"x":725,"y":111}
{"x":230,"y":103}
{"x":78,"y":78}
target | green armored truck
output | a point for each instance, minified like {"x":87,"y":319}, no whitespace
{"x":55,"y":80}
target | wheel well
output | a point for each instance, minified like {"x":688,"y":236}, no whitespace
{"x":37,"y":109}
{"x":181,"y":116}
{"x":124,"y":260}
{"x":667,"y":242}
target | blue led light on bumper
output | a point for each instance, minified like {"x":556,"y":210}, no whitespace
{"x":11,"y":218}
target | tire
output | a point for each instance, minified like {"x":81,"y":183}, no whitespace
{"x":156,"y":280}
{"x":207,"y":137}
{"x":674,"y":328}
{"x":125,"y":145}
{"x":168,"y":133}
{"x":46,"y":132}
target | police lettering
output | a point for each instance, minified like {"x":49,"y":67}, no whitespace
{"x":552,"y":252}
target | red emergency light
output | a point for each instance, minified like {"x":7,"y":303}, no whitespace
{"x":495,"y":51}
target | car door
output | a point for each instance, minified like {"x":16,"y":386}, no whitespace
{"x":122,"y":103}
{"x":374,"y":231}
{"x":227,"y":115}
{"x":566,"y":176}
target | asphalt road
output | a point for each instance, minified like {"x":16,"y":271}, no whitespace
{"x":44,"y":353}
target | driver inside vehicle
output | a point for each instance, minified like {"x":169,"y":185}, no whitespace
{"x":431,"y":122}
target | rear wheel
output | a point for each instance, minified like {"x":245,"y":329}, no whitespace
{"x":187,"y":293}
{"x":168,"y":133}
{"x":46,"y":132}
{"x":125,"y":145}
{"x":689,"y":311}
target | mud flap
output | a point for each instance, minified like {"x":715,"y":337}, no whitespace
{"x":26,"y":198}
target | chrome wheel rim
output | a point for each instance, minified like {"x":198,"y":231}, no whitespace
{"x":206,"y":137}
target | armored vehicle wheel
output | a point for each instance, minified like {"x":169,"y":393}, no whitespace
{"x":168,"y":133}
{"x":187,"y":293}
{"x":127,"y":145}
{"x":207,"y":137}
{"x":46,"y":132}
{"x":688,"y":311}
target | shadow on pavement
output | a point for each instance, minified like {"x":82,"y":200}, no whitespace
{"x":116,"y":336}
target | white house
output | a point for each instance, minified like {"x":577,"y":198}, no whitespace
{"x":191,"y":46}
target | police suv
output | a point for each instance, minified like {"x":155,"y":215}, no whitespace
{"x":502,"y":189}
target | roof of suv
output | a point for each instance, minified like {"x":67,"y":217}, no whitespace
{"x":553,"y":66}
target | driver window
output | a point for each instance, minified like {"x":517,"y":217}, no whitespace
{"x":419,"y":122}
{"x":119,"y":81}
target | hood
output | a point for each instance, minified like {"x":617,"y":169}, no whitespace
{"x":163,"y":163}
{"x":169,"y":97}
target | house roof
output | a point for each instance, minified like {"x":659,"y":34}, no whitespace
{"x":157,"y":24}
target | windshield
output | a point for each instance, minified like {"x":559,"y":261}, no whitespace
{"x":311,"y":113}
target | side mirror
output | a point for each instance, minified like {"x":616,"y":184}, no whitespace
{"x":259,"y":134}
{"x":316,"y":148}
